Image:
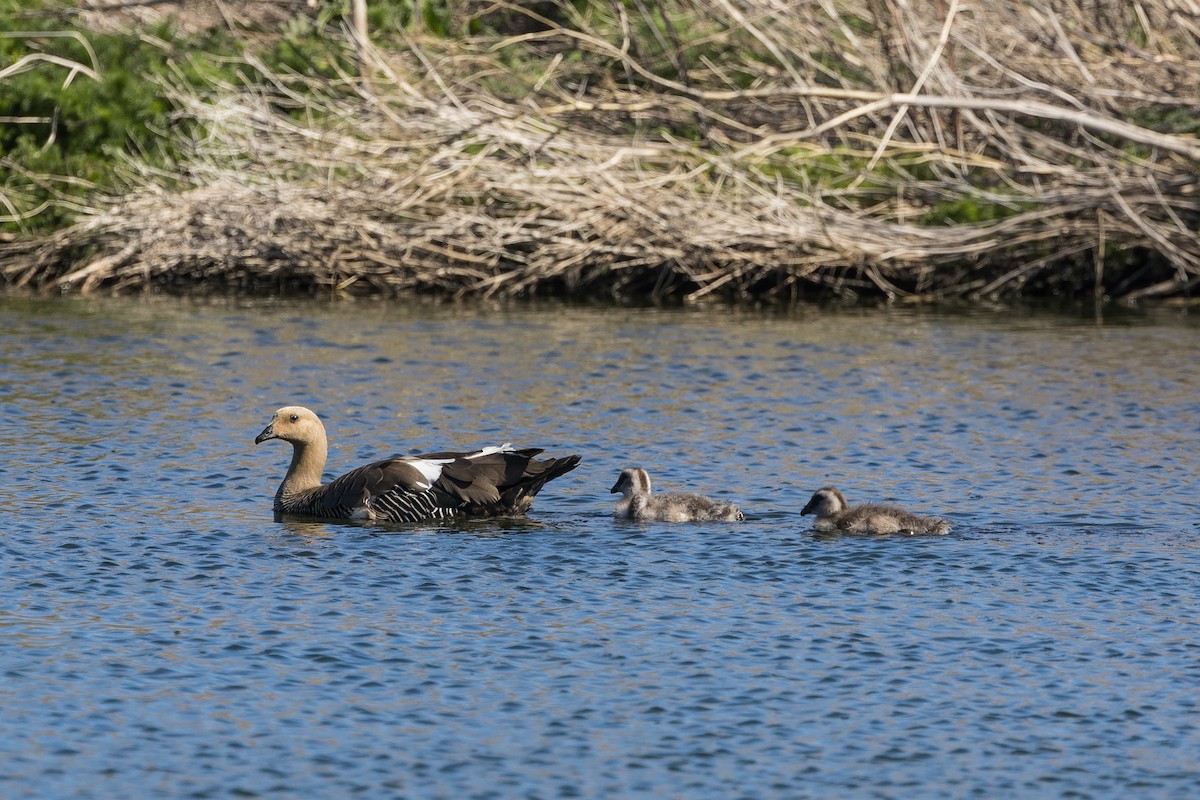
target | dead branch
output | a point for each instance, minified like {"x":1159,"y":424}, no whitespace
{"x":1039,"y":145}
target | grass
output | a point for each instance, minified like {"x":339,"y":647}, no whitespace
{"x":73,"y":136}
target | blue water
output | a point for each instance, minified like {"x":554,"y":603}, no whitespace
{"x":164,"y":636}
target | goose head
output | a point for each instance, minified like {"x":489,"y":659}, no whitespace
{"x":294,"y":424}
{"x":825,"y":503}
{"x":634,"y":480}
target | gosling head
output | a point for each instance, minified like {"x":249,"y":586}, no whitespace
{"x":825,"y":503}
{"x":634,"y":480}
{"x":294,"y":424}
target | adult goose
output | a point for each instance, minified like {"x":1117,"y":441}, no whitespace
{"x":834,"y":514}
{"x":639,"y":504}
{"x":494,"y":481}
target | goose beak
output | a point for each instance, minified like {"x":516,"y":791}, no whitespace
{"x":268,"y":433}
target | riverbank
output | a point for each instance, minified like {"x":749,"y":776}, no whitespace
{"x":679,"y":152}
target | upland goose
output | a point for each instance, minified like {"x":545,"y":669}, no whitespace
{"x":493,"y":481}
{"x":834,"y":514}
{"x":639,"y":504}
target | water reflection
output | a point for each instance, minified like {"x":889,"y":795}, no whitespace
{"x":168,"y":635}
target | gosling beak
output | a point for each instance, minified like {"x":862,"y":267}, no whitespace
{"x":616,"y":488}
{"x":268,"y":433}
{"x":808,"y":509}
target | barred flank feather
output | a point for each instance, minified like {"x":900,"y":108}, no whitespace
{"x":411,"y":507}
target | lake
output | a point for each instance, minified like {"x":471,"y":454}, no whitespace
{"x":165,"y":636}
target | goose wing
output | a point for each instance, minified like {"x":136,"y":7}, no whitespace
{"x":477,"y":477}
{"x":489,"y":481}
{"x":482,"y":477}
{"x":359,"y":488}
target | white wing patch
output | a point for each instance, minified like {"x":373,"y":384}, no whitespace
{"x":487,"y":451}
{"x":430,"y":469}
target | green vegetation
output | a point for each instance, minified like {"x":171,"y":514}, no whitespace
{"x":82,"y":107}
{"x":69,"y":131}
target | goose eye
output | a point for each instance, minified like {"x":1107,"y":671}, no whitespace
{"x":295,"y":417}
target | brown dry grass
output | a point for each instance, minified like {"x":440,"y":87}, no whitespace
{"x":749,"y":149}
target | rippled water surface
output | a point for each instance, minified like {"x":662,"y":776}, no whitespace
{"x":164,"y":636}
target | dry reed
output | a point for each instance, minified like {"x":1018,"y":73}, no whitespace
{"x":744,"y":148}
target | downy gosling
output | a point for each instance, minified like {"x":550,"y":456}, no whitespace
{"x":834,"y":514}
{"x":639,"y":504}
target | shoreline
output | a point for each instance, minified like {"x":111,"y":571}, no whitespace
{"x":525,"y":157}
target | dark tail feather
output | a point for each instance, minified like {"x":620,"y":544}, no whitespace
{"x":520,"y":496}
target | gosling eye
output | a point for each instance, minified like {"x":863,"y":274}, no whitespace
{"x":295,"y":417}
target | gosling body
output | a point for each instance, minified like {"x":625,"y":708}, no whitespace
{"x":492,"y":481}
{"x":638,"y":503}
{"x":833,"y":513}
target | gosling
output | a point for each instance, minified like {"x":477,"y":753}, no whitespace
{"x":834,"y":514}
{"x":640,"y":505}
